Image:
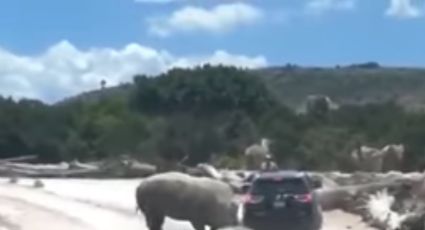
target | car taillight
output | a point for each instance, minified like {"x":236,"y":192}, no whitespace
{"x":252,"y":199}
{"x":277,"y":178}
{"x":304,"y":198}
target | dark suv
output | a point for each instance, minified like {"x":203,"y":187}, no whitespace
{"x":282,"y":200}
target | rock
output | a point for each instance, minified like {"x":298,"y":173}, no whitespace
{"x":13,"y":180}
{"x":38,"y":184}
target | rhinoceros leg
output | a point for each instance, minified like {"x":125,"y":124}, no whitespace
{"x":198,"y":226}
{"x":155,"y":221}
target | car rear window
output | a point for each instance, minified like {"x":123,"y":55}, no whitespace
{"x":285,"y":185}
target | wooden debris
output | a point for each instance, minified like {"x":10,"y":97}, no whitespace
{"x":18,"y":159}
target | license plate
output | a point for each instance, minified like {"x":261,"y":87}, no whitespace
{"x":279,"y":204}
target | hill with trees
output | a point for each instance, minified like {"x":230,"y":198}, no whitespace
{"x":356,"y":84}
{"x":216,"y":112}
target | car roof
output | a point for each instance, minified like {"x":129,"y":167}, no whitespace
{"x":281,"y":174}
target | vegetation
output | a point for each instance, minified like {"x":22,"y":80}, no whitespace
{"x":216,"y":112}
{"x":356,"y":84}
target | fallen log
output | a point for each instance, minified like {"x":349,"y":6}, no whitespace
{"x":390,"y":205}
{"x":379,"y":213}
{"x":414,"y":221}
{"x":21,"y":172}
{"x":351,"y":198}
{"x":335,"y":198}
{"x":80,"y":173}
{"x":137,"y":169}
{"x":103,"y":169}
{"x":78,"y":165}
{"x":7,"y":171}
{"x":18,"y":159}
{"x":40,"y":167}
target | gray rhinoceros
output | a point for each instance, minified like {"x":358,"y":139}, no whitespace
{"x":200,"y":200}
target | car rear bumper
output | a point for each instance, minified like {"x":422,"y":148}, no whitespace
{"x":293,"y":224}
{"x":290,"y":212}
{"x":293,"y":221}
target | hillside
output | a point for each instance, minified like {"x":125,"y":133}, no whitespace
{"x":214,"y":113}
{"x":350,"y":85}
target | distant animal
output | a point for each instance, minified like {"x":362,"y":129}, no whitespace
{"x":201,"y":200}
{"x":393,"y":157}
{"x":268,"y":164}
{"x":386,"y":159}
{"x":368,"y":159}
{"x":322,"y":103}
{"x":256,"y":154}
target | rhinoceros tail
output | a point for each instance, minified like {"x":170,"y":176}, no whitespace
{"x":139,"y":200}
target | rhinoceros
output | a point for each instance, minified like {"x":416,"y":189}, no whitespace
{"x":202,"y":201}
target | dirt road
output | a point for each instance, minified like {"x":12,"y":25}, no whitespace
{"x":26,"y":208}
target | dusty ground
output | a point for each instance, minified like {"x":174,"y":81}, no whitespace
{"x":95,"y":205}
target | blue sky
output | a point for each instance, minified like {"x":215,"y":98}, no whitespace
{"x":51,"y":49}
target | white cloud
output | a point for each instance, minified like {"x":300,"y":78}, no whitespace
{"x":220,"y":18}
{"x":403,"y":9}
{"x":321,"y":6}
{"x":221,"y":57}
{"x":63,"y":70}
